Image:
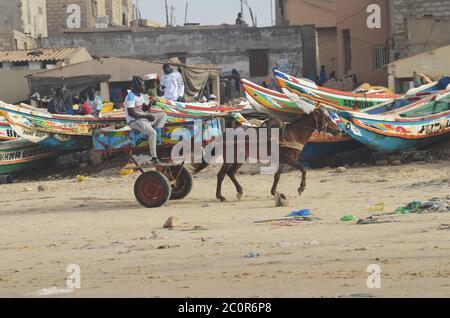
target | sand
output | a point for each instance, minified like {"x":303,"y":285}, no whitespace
{"x":123,"y":251}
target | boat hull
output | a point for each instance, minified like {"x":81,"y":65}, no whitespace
{"x":394,"y":135}
{"x":19,"y":155}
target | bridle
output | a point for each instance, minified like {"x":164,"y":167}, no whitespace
{"x":320,"y":127}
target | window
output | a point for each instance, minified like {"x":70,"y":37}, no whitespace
{"x":21,"y":66}
{"x":259,"y":63}
{"x":380,"y":57}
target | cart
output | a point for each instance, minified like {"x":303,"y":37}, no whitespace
{"x":158,"y":184}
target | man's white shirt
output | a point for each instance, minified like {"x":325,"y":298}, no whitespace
{"x":174,"y":86}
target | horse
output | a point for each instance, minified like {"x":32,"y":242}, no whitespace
{"x":293,"y":137}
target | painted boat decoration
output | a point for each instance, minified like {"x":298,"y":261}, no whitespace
{"x":271,"y":102}
{"x":109,"y":140}
{"x":6,"y":131}
{"x":394,"y":133}
{"x":19,"y":155}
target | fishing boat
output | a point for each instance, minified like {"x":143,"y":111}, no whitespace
{"x":19,"y":155}
{"x":351,"y":101}
{"x":410,"y":129}
{"x":60,"y":132}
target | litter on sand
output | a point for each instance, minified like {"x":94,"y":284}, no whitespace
{"x":288,"y":221}
{"x":348,"y":218}
{"x":375,"y":220}
{"x":434,"y":205}
{"x":301,"y":213}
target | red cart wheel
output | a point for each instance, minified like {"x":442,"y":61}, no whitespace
{"x":152,"y":189}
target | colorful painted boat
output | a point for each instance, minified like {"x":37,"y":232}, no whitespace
{"x":394,"y":133}
{"x":59,"y":132}
{"x":351,"y":101}
{"x":19,"y":155}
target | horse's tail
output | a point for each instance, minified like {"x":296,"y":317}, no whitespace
{"x":198,"y":167}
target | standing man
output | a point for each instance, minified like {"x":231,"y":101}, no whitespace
{"x":143,"y":121}
{"x":172,"y":84}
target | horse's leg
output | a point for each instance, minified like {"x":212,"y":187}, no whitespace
{"x":294,"y":162}
{"x":232,"y":174}
{"x":220,"y":177}
{"x":276,"y":179}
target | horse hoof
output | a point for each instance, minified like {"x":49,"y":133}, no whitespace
{"x":300,"y":191}
{"x":222,"y":199}
{"x":239,"y":196}
{"x":281,"y":200}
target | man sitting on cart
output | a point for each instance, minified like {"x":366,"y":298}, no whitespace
{"x":139,"y":119}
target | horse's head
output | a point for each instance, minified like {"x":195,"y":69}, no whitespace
{"x":273,"y":123}
{"x":323,"y":121}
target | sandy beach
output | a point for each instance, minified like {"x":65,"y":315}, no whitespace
{"x":123,"y":250}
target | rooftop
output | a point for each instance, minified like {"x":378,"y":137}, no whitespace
{"x":38,"y":55}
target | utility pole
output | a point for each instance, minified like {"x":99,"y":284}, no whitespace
{"x":186,"y":13}
{"x":167,"y":14}
{"x":271,"y":12}
{"x":242,"y":9}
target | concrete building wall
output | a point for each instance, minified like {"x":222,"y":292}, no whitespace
{"x":352,"y":17}
{"x":327,"y":40}
{"x":419,"y":26}
{"x":60,"y":12}
{"x":321,"y":13}
{"x":227,"y":47}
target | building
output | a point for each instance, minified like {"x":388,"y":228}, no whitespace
{"x":22,"y":24}
{"x":75,"y":14}
{"x":128,"y":12}
{"x":435,"y":63}
{"x":362,"y":40}
{"x":253,"y":52}
{"x":419,"y":26}
{"x":346,"y":42}
{"x":321,"y":14}
{"x":88,"y":14}
{"x":120,"y":71}
{"x":16,"y":65}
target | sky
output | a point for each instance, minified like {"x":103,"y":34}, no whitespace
{"x":207,"y":12}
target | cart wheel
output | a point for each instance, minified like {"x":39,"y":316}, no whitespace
{"x":181,"y":181}
{"x":152,"y":189}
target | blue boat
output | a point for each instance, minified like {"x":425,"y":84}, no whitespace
{"x":392,"y":134}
